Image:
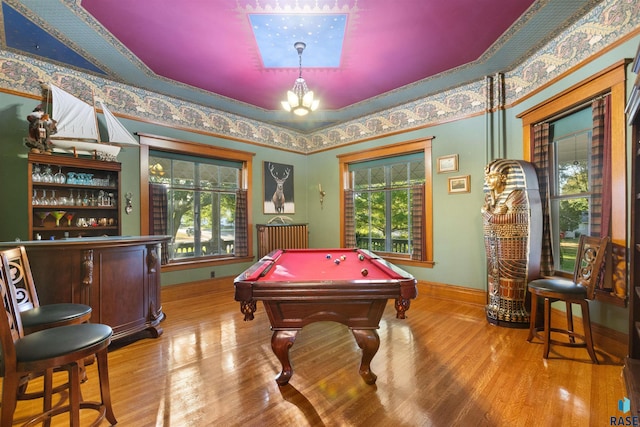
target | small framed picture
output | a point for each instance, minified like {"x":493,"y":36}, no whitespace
{"x":448,"y":163}
{"x":459,"y":184}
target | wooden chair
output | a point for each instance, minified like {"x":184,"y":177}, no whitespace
{"x":63,"y":347}
{"x":589,"y":262}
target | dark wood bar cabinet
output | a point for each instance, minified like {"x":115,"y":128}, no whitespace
{"x":117,"y":276}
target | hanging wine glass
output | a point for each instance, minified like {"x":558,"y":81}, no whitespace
{"x":59,"y":177}
{"x":42,"y":215}
{"x":36,"y":175}
{"x":63,"y":200}
{"x":58,"y":215}
{"x":44,"y":200}
{"x":47,"y":176}
{"x":53,"y":201}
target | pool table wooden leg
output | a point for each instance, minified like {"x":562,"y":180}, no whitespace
{"x":248,"y":308}
{"x":281,"y":342}
{"x":402,"y":305}
{"x":369,"y":341}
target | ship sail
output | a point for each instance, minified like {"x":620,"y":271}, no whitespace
{"x":77,"y":127}
{"x":118,"y":134}
{"x":75,"y":118}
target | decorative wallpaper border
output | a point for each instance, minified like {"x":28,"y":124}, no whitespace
{"x":599,"y":28}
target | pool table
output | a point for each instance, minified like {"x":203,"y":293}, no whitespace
{"x":302,"y":286}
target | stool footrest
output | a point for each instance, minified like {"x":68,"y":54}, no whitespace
{"x":572,"y":336}
{"x":97,"y":406}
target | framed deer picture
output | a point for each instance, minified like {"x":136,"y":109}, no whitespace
{"x":278,"y":188}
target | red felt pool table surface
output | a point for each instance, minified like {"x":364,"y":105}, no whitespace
{"x":319,"y":265}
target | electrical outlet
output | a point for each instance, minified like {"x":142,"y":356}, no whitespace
{"x":213,"y":274}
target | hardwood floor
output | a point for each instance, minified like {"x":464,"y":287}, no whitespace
{"x":442,"y":366}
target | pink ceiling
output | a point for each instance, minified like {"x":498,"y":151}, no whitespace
{"x":209,"y":44}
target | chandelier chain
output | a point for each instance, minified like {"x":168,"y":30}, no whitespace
{"x":300,"y":99}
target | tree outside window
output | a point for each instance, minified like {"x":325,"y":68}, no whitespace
{"x":382,"y":199}
{"x":570,"y":196}
{"x":201,"y":198}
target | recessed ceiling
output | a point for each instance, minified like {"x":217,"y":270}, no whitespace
{"x":238,"y":56}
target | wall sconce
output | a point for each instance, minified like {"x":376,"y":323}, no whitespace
{"x":322,"y":194}
{"x":128,"y":204}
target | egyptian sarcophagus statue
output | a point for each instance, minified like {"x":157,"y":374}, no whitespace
{"x":512,"y":225}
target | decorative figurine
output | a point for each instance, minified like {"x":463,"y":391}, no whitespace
{"x":41,"y":127}
{"x":512,"y":225}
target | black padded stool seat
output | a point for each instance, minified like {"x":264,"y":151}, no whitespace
{"x":588,"y":266}
{"x":544,"y":286}
{"x":62,"y":342}
{"x":51,"y":315}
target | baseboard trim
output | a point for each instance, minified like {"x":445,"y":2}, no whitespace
{"x":452,"y":292}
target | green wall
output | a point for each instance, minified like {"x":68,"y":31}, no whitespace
{"x":13,"y":166}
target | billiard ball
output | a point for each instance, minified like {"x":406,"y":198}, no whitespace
{"x":343,"y":257}
{"x":361,"y":257}
{"x":337,"y":261}
{"x":328,"y":256}
{"x":364,"y":271}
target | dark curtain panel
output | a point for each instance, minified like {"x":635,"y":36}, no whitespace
{"x":158,"y":216}
{"x":601,"y":173}
{"x":241,"y":245}
{"x":349,"y":220}
{"x":417,"y":222}
{"x":541,"y":140}
{"x":601,"y":168}
{"x":606,"y":180}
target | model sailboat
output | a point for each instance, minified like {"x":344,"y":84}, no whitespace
{"x":77,"y":128}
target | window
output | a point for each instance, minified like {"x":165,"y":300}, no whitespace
{"x":201,"y":202}
{"x":383,"y":200}
{"x":386,"y":201}
{"x":606,"y":172}
{"x":570,"y":186}
{"x":198,"y":195}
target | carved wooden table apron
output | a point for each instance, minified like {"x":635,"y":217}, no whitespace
{"x":302,"y":286}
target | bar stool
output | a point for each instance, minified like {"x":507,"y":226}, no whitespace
{"x":35,"y":317}
{"x":589,"y":262}
{"x":57,"y":348}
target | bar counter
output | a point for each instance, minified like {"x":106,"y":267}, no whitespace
{"x":117,"y":276}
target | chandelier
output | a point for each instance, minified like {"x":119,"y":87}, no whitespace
{"x":300,"y":99}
